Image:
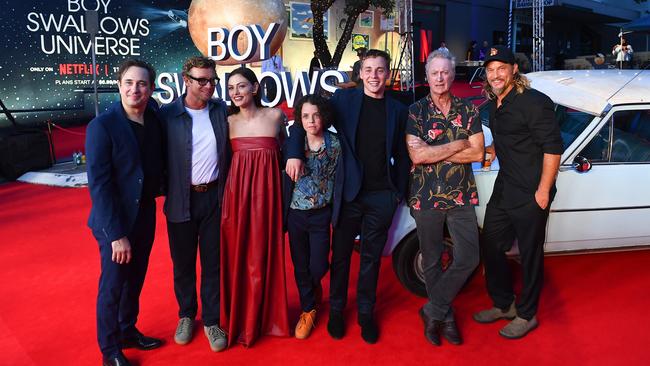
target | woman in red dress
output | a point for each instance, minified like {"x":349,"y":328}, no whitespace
{"x":253,"y":288}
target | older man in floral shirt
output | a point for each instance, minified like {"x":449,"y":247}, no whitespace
{"x":444,"y":137}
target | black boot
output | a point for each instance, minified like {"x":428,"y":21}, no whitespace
{"x":336,"y":324}
{"x":369,"y":330}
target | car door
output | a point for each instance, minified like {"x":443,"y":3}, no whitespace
{"x":607,"y":206}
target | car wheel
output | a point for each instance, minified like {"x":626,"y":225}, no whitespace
{"x":407,"y":264}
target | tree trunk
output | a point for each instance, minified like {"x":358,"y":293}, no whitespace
{"x":345,"y":39}
{"x":318,"y":9}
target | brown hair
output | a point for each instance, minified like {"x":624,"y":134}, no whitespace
{"x":377,"y":53}
{"x":199,"y":62}
{"x":138,"y":63}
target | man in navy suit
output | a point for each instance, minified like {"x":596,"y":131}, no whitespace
{"x":125,"y":157}
{"x":376,"y":164}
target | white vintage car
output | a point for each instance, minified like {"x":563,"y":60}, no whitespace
{"x":603,"y":198}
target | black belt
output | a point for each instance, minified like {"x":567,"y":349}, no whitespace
{"x":204,"y":187}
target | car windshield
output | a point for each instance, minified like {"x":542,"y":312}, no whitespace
{"x":572,"y":123}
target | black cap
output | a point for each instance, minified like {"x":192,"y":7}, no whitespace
{"x":500,"y":53}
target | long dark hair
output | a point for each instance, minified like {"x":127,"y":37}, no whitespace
{"x":249,"y":75}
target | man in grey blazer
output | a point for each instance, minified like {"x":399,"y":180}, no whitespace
{"x":198,"y":157}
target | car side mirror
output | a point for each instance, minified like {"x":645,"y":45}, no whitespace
{"x":581,"y":164}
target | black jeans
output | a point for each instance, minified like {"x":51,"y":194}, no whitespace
{"x":370,"y":214}
{"x":527,"y":224}
{"x":443,"y":286}
{"x":120,"y":285}
{"x":202,"y":231}
{"x":309,"y":241}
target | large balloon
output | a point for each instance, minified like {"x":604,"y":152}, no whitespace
{"x":204,"y":14}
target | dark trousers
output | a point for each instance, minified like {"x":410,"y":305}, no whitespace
{"x":370,"y":214}
{"x":120,"y":285}
{"x":202,"y":232}
{"x":309,"y":241}
{"x":527,"y":224}
{"x":442,"y":287}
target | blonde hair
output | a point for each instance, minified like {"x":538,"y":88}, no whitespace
{"x":520,"y":82}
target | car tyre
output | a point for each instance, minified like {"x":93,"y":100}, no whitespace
{"x":407,"y":264}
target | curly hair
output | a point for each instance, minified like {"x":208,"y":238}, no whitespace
{"x":320,"y":103}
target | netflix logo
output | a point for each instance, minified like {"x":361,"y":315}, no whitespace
{"x":83,"y":69}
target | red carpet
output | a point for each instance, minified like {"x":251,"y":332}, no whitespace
{"x":593,"y":310}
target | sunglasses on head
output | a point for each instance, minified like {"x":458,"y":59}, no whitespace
{"x":203,"y":81}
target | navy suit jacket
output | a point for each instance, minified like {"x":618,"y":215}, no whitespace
{"x":115,"y":174}
{"x":346,"y":105}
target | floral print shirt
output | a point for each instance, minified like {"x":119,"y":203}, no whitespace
{"x":442,"y":185}
{"x":315,"y":187}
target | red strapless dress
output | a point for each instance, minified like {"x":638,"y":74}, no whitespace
{"x":253,"y":285}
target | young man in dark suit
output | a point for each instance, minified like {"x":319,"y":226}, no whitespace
{"x":124,"y":148}
{"x":376,"y":164}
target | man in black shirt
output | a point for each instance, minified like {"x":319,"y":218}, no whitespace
{"x":528,"y":144}
{"x":371,"y":129}
{"x":124,"y":148}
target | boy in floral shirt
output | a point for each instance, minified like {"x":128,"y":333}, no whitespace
{"x":310,"y":208}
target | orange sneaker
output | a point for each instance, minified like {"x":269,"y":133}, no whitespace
{"x":305,"y":324}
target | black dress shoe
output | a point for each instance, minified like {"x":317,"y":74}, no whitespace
{"x":118,"y":360}
{"x":336,"y":324}
{"x":430,"y":328}
{"x":369,"y":330}
{"x":141,"y":342}
{"x":449,"y":330}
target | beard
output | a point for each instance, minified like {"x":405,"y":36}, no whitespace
{"x":499,"y":91}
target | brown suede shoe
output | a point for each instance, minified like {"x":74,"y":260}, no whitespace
{"x":518,"y":328}
{"x":493,"y":314}
{"x":305,"y":324}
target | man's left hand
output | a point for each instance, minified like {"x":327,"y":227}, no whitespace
{"x":542,"y":199}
